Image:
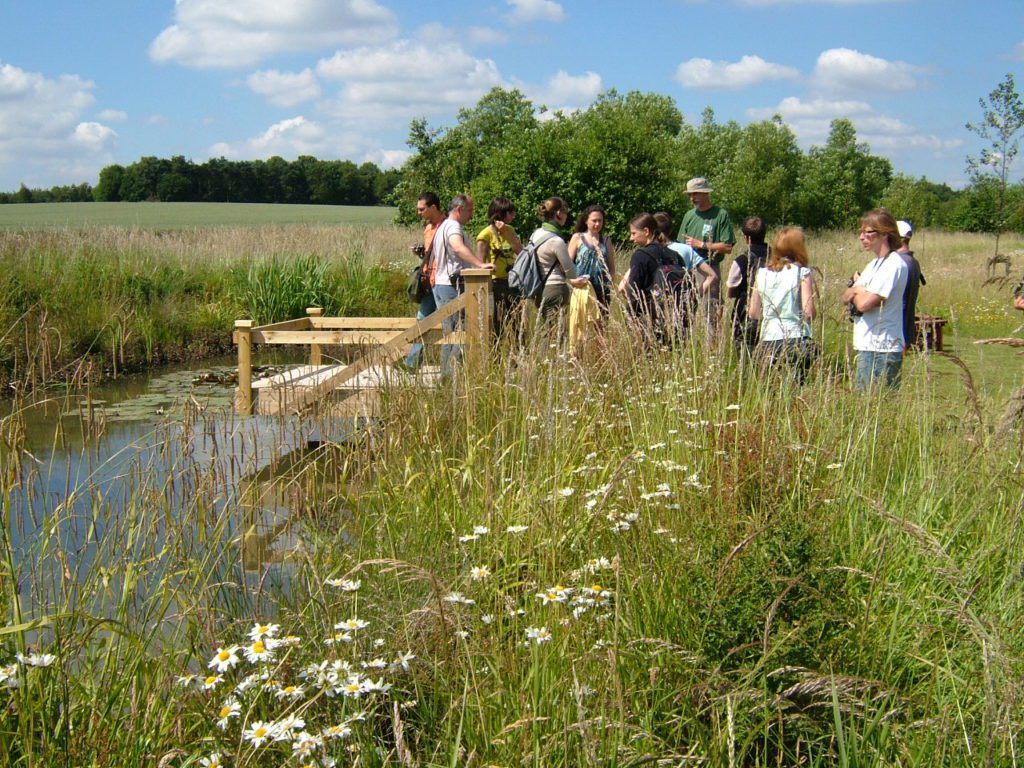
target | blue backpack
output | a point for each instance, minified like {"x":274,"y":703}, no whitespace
{"x":525,"y":277}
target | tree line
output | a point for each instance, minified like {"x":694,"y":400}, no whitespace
{"x":305,"y":180}
{"x":633,"y":152}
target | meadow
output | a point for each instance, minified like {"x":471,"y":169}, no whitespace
{"x":635,"y":558}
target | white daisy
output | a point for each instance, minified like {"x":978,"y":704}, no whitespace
{"x":479,"y":573}
{"x":345,"y":585}
{"x":258,"y":652}
{"x":36,"y":659}
{"x":211,"y":682}
{"x":517,"y":529}
{"x":224,"y":659}
{"x":286,"y":728}
{"x":213,"y":761}
{"x":458,"y":598}
{"x":230,"y":708}
{"x":538,"y":635}
{"x":352,"y":625}
{"x":259,"y":733}
{"x":263,"y":631}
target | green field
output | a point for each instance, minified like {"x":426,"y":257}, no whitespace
{"x":185,"y":215}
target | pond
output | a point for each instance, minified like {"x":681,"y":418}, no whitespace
{"x":94,"y":482}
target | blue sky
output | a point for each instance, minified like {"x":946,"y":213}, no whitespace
{"x":84,"y":84}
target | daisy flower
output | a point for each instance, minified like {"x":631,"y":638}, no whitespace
{"x":211,"y":682}
{"x":402,"y":660}
{"x":36,"y":659}
{"x":224,"y":659}
{"x":213,"y":761}
{"x":458,"y":598}
{"x":230,"y":708}
{"x":345,"y":585}
{"x":352,"y":625}
{"x":555,"y":594}
{"x":259,"y":733}
{"x":539,"y":635}
{"x":305,"y":743}
{"x":517,"y":529}
{"x":286,"y":728}
{"x":258,"y":652}
{"x":336,"y":732}
{"x":479,"y":573}
{"x":339,"y":637}
{"x":291,"y":692}
{"x":9,"y":676}
{"x":263,"y":631}
{"x":377,"y":663}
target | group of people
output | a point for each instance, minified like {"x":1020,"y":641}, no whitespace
{"x":674,"y":277}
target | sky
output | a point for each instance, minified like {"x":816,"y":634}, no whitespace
{"x":87,"y":83}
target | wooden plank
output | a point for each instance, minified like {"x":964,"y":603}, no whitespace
{"x":393,"y":349}
{"x":335,"y":337}
{"x":297,"y":324}
{"x":367,"y":323}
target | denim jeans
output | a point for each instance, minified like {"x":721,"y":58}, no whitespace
{"x":878,"y":366}
{"x":427,"y":307}
{"x":449,"y":352}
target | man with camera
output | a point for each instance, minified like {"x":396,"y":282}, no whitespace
{"x":428,"y":208}
{"x":875,"y":300}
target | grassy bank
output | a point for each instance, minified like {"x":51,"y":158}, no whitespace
{"x":98,"y":301}
{"x":655,"y":558}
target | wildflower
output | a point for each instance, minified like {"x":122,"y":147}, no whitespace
{"x":620,"y":526}
{"x":377,"y":663}
{"x":353,"y":687}
{"x":9,"y":676}
{"x":468,"y":538}
{"x":487,"y":618}
{"x":230,"y":708}
{"x":263,"y":631}
{"x":185,"y":681}
{"x":835,"y":465}
{"x":376,"y":686}
{"x":285,"y":729}
{"x":287,"y":640}
{"x":338,"y":637}
{"x":246,"y":683}
{"x":354,"y":624}
{"x":259,"y":733}
{"x":539,"y":635}
{"x":213,"y":761}
{"x":36,"y":659}
{"x":345,"y":585}
{"x":458,"y":598}
{"x":598,"y":564}
{"x":732,"y":407}
{"x":211,"y":682}
{"x":336,"y":732}
{"x":305,"y":743}
{"x":481,"y":530}
{"x":479,"y":573}
{"x":402,"y":660}
{"x":517,"y":529}
{"x":290,"y":692}
{"x":258,"y":652}
{"x":224,"y":659}
{"x":378,"y":642}
{"x":462,"y":634}
{"x":566,"y":492}
{"x":555,"y":594}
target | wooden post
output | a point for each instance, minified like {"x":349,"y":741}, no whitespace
{"x":243,"y":335}
{"x":314,"y":349}
{"x":478,"y":314}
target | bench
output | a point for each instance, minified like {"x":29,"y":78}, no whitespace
{"x":929,"y":332}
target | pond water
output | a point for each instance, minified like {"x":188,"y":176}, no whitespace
{"x":103,"y":474}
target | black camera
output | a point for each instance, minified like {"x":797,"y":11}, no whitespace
{"x":851,"y":309}
{"x":419,"y":250}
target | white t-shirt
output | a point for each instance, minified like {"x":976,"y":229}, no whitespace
{"x":781,"y":307}
{"x":881,"y":329}
{"x":447,"y":261}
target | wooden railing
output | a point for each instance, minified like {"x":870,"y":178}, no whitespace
{"x":387,"y":338}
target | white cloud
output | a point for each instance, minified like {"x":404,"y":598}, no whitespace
{"x":113,"y":115}
{"x":43,"y":138}
{"x":226,"y":33}
{"x":566,"y":92}
{"x":405,"y":79}
{"x":285,"y":89}
{"x":723,"y":75}
{"x":536,"y":10}
{"x":811,"y":120}
{"x":843,"y":70}
{"x":486,"y":36}
{"x":300,"y":136}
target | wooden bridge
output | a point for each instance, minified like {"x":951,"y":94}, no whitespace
{"x":384,"y":340}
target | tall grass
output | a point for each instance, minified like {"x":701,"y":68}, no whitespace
{"x":648,"y":557}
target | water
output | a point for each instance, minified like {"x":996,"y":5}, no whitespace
{"x":108,"y":477}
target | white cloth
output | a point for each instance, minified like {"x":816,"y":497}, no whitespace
{"x":881,"y":329}
{"x":444,"y":256}
{"x":781,"y":307}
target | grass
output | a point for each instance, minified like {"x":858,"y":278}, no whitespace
{"x":655,"y":557}
{"x":187,"y":215}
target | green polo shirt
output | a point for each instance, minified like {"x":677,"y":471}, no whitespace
{"x":712,"y":226}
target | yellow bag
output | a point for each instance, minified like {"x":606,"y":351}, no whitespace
{"x":584,"y":313}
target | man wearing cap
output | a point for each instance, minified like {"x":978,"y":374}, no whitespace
{"x":707,"y":228}
{"x":914,"y":282}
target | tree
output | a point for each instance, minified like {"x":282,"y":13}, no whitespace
{"x":760,"y":177}
{"x":1001,"y":124}
{"x":841,"y":180}
{"x":108,"y":188}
